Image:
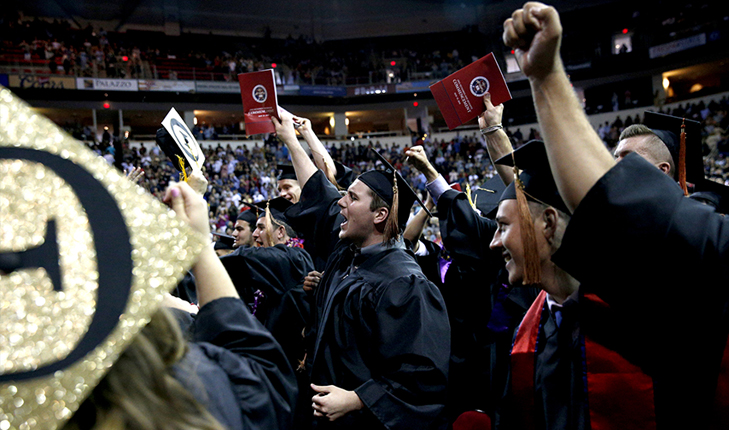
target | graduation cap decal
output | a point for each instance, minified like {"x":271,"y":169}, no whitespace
{"x":85,"y":257}
{"x":43,"y":256}
{"x":185,"y":146}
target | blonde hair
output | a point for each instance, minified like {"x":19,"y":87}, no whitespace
{"x":140,"y":393}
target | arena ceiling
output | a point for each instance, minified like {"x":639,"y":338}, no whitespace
{"x":322,"y":19}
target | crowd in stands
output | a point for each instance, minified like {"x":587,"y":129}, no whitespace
{"x":60,"y":48}
{"x":241,"y":175}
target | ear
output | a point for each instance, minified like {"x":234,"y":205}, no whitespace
{"x":381,"y":214}
{"x":550,"y":217}
{"x":280,"y":232}
{"x":665,"y":167}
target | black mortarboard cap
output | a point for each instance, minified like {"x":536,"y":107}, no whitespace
{"x":712,"y":193}
{"x":277,"y":207}
{"x":286,"y":172}
{"x":487,"y":196}
{"x":224,"y":241}
{"x":170,"y":147}
{"x":249,"y":215}
{"x":535,"y":174}
{"x":668,"y":129}
{"x":381,"y":182}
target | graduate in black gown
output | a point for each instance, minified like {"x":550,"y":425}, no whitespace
{"x":657,"y":259}
{"x":265,"y":273}
{"x":338,"y":174}
{"x":472,"y":281}
{"x":271,"y":276}
{"x":381,"y":338}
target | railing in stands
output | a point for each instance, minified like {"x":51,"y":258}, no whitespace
{"x":11,"y":63}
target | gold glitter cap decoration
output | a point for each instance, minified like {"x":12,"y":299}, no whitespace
{"x":85,"y":259}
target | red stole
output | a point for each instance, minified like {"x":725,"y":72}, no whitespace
{"x":619,"y":394}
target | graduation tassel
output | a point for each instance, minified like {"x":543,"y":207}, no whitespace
{"x":682,"y":159}
{"x":269,"y":226}
{"x":468,"y":196}
{"x":392,"y":230}
{"x":532,"y":269}
{"x":182,"y":166}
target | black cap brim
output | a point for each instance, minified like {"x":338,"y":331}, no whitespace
{"x":249,"y":215}
{"x":286,"y":172}
{"x":539,"y":185}
{"x":403,"y":187}
{"x":277,"y":207}
{"x":169,"y":147}
{"x":668,"y":129}
{"x":224,"y":241}
{"x":487,"y":196}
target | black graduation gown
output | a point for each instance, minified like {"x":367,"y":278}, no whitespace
{"x":274,"y":270}
{"x":289,"y":321}
{"x":659,"y":260}
{"x":474,"y":284}
{"x":319,"y":225}
{"x":236,"y":369}
{"x":380,"y":329}
{"x":344,"y":175}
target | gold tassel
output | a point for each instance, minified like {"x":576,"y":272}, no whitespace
{"x":182,"y":166}
{"x":532,"y":268}
{"x":392,"y":229}
{"x":269,"y":226}
{"x":682,"y":159}
{"x":468,"y":196}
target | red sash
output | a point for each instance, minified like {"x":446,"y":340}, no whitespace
{"x":619,"y":394}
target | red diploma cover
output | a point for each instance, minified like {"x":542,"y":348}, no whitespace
{"x":258,"y":91}
{"x":460,"y":95}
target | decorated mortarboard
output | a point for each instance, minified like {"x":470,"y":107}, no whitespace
{"x":486,"y":198}
{"x":224,"y":241}
{"x":685,"y":150}
{"x":536,"y":183}
{"x":250,"y":214}
{"x":286,"y":171}
{"x":86,"y":257}
{"x":388,"y":184}
{"x":178,"y":143}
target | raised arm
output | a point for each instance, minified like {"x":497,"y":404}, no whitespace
{"x":576,"y":153}
{"x":415,"y":227}
{"x":299,"y":158}
{"x":321,"y":156}
{"x":497,"y":142}
{"x":464,"y":232}
{"x":211,"y":278}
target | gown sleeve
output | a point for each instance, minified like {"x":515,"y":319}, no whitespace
{"x":317,"y":217}
{"x":257,"y":369}
{"x":636,"y":218}
{"x":466,"y":234}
